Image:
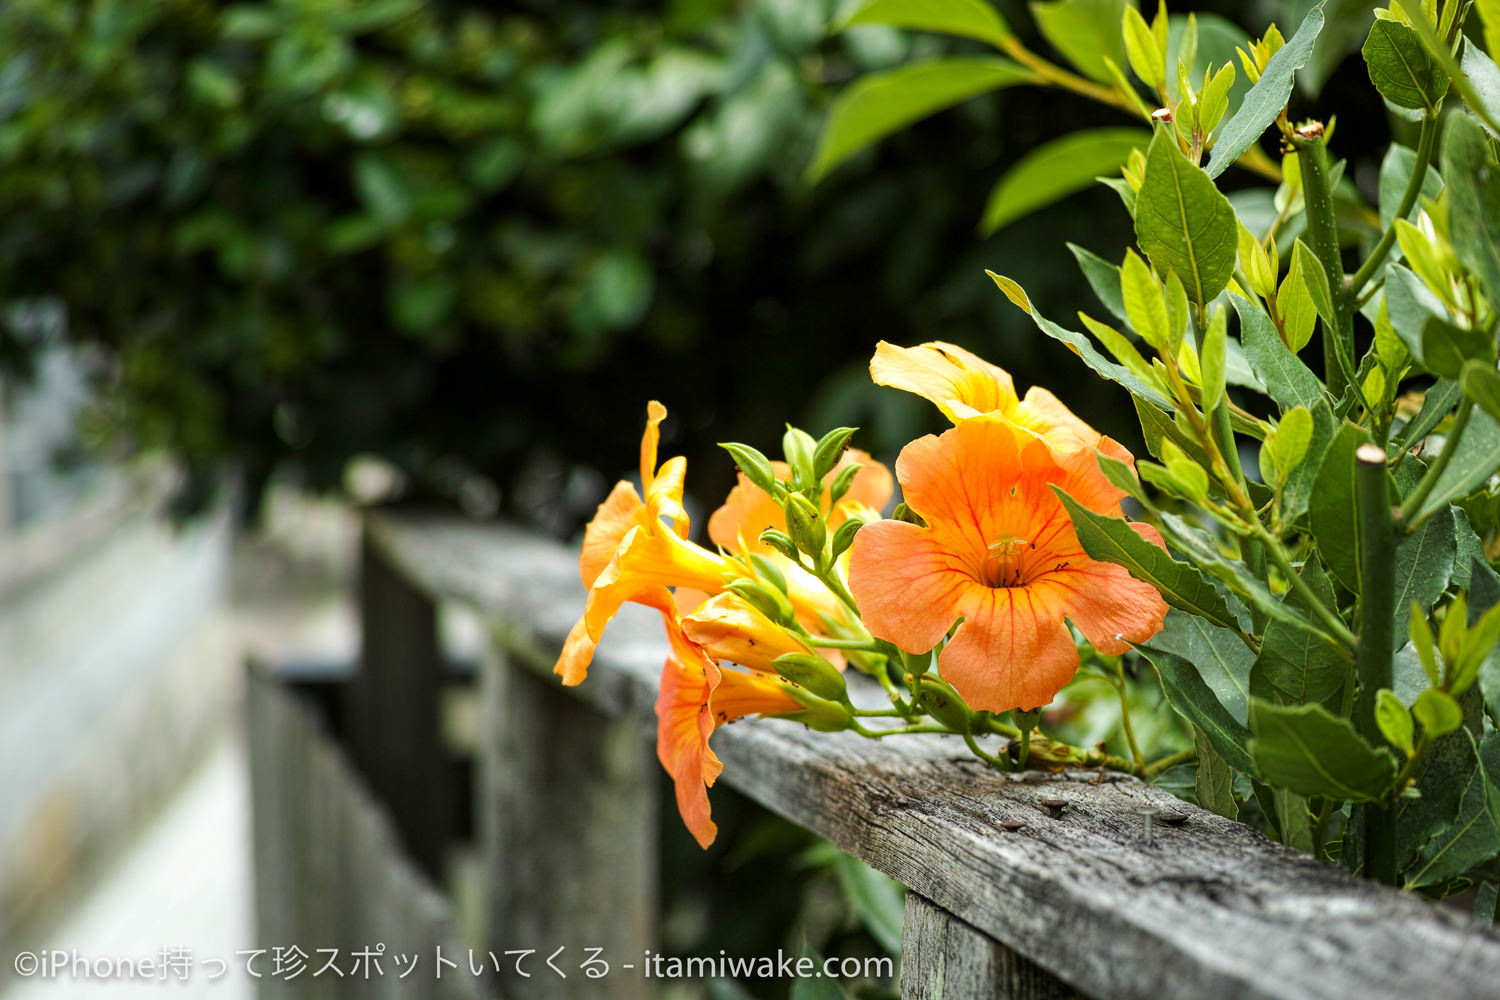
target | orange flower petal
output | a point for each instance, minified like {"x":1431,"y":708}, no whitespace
{"x":1045,"y":415}
{"x":959,"y":383}
{"x":664,"y":496}
{"x":746,"y":512}
{"x":1105,"y":601}
{"x":684,"y":723}
{"x":650,"y":440}
{"x":906,"y":583}
{"x":728,"y":628}
{"x":1012,"y":651}
{"x":620,"y":511}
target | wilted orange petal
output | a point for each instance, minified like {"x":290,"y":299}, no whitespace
{"x":959,"y":383}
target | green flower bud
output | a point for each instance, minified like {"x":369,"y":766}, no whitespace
{"x":798,"y":447}
{"x":844,"y":536}
{"x":842,"y":482}
{"x":755,"y":466}
{"x":905,"y":513}
{"x":811,"y":671}
{"x":768,"y":602}
{"x":943,"y":703}
{"x":780,"y":541}
{"x":819,"y":715}
{"x":804,"y":522}
{"x":829,"y":450}
{"x":768,"y":572}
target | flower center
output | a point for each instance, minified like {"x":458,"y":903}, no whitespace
{"x":1005,"y":561}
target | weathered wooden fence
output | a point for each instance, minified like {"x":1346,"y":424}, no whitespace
{"x":1026,"y":885}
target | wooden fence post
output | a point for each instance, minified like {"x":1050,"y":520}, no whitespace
{"x":568,"y":831}
{"x":943,"y":958}
{"x":392,"y":707}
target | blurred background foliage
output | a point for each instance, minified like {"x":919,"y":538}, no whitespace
{"x":470,"y":240}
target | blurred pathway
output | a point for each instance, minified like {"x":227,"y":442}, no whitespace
{"x":185,"y":883}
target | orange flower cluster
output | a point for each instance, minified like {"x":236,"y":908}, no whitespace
{"x":638,"y":550}
{"x":992,"y":573}
{"x":997,"y":550}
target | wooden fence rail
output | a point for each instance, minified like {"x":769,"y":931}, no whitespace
{"x":1077,"y":900}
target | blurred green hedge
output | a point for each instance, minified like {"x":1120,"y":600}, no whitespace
{"x":473,"y":239}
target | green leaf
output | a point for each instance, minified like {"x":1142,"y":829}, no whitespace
{"x":1120,"y":474}
{"x":1145,"y":305}
{"x":1477,"y":458}
{"x":878,"y":104}
{"x":1395,"y":171}
{"x":1214,"y":781}
{"x":1212,"y":359}
{"x":1080,"y":345}
{"x":1188,"y":694}
{"x":1085,"y":31}
{"x":1288,"y":381}
{"x":876,"y":899}
{"x":1295,"y":666}
{"x":1447,"y":346}
{"x":967,"y":18}
{"x":1057,"y":169}
{"x":1423,"y":566}
{"x":1183,"y":222}
{"x":1484,"y":85}
{"x":1332,"y":514}
{"x":1438,"y":713}
{"x":1481,"y":383}
{"x":1437,"y":403}
{"x":1473,"y":200}
{"x":1400,"y":67}
{"x":1473,"y":837}
{"x":1315,"y":279}
{"x":1311,"y":751}
{"x":1298,"y":494}
{"x":1146,"y":57}
{"x":1438,"y":49}
{"x":1268,"y":97}
{"x":1112,"y":539}
{"x":1104,"y":278}
{"x":1393,"y":719}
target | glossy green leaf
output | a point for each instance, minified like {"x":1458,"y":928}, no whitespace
{"x":1473,"y":200}
{"x":1311,"y":751}
{"x":1395,"y":171}
{"x":1288,"y":381}
{"x":878,"y":104}
{"x":1080,"y":345}
{"x":1333,"y":514}
{"x":1086,"y":32}
{"x":1400,"y":67}
{"x":1188,"y":694}
{"x":1315,"y":279}
{"x":1477,"y":458}
{"x":1212,"y":359}
{"x":1423,"y":566}
{"x":1104,"y":278}
{"x":1183,"y":223}
{"x":968,"y":18}
{"x":1268,"y":97}
{"x":1481,"y":383}
{"x":1112,"y":539}
{"x":1057,"y":169}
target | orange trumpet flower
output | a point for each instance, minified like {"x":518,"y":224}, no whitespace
{"x":999,"y":551}
{"x":963,"y":385}
{"x":696,"y":698}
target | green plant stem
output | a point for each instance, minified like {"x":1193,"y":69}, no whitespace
{"x":1376,"y":645}
{"x":1170,"y":761}
{"x":1323,"y":236}
{"x":1426,"y":142}
{"x":829,"y":642}
{"x":1135,"y":749}
{"x":1413,"y":503}
{"x":880,"y":734}
{"x":1335,"y":624}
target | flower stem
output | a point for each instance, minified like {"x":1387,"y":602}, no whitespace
{"x":1335,"y":624}
{"x":1170,"y":761}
